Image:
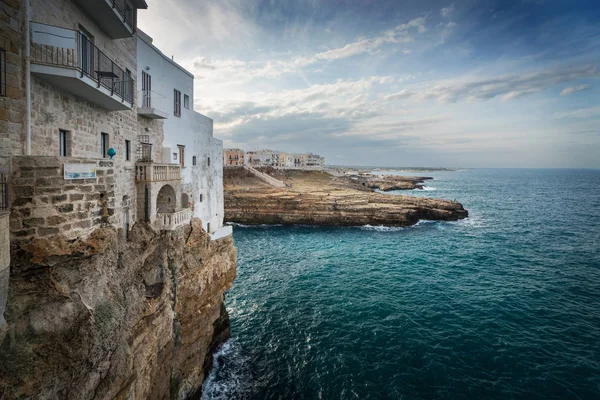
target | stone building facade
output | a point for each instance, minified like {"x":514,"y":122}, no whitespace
{"x":82,"y":106}
{"x":282,"y":160}
{"x":233,"y":157}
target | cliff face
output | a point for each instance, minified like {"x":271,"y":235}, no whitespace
{"x":317,"y":198}
{"x":106,"y":317}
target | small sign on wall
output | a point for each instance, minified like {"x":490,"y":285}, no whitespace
{"x":80,"y":171}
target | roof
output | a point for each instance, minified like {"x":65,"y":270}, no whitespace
{"x":140,"y":4}
{"x":149,"y":41}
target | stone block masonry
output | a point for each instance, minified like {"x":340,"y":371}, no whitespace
{"x":43,"y":203}
{"x":4,"y":263}
{"x":12,"y":103}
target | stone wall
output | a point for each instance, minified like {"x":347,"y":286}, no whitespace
{"x":12,"y":105}
{"x":43,"y":203}
{"x":4,"y":263}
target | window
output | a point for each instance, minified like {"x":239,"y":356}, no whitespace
{"x":2,"y":72}
{"x":63,"y":143}
{"x":194,"y":160}
{"x":181,"y":155}
{"x":200,"y":197}
{"x":127,"y":150}
{"x":146,"y":90}
{"x":177,"y":103}
{"x":104,"y":145}
{"x":86,"y":47}
{"x":186,"y":101}
{"x":209,"y":161}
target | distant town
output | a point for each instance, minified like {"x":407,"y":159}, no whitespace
{"x":272,"y":158}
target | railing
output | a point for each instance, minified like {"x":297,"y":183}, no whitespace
{"x":90,"y":61}
{"x":127,"y":12}
{"x":3,"y":192}
{"x":152,"y":99}
{"x":151,"y":172}
{"x":173,"y":220}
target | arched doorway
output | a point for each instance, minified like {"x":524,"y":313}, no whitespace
{"x":185,"y":202}
{"x":165,"y":201}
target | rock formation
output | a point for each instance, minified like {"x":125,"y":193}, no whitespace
{"x":109,"y":317}
{"x":317,"y":198}
{"x":392,"y":182}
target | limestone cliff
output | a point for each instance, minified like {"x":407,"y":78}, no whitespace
{"x":317,"y":198}
{"x":109,"y":317}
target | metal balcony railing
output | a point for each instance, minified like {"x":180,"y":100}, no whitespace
{"x":124,"y":8}
{"x":90,"y":61}
{"x":152,"y":99}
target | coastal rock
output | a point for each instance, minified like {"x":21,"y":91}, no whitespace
{"x":109,"y":317}
{"x":392,"y":182}
{"x":317,"y":198}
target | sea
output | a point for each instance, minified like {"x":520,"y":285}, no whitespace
{"x":502,"y":305}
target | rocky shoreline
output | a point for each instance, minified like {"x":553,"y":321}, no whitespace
{"x":318,"y":198}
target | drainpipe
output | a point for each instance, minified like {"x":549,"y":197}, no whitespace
{"x":28,"y":77}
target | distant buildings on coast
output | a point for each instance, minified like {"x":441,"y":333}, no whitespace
{"x":272,"y":158}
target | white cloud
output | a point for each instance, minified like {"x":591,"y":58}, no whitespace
{"x":581,"y":113}
{"x":399,"y":34}
{"x":573,"y":89}
{"x":447,"y":11}
{"x":447,"y":31}
{"x":507,"y":87}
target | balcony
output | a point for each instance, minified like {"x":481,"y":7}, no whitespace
{"x":70,"y":61}
{"x":171,"y":221}
{"x":152,"y":105}
{"x":152,"y":172}
{"x":115,"y":17}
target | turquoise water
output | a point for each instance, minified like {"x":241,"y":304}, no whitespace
{"x":502,"y":305}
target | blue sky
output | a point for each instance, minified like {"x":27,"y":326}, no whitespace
{"x":491,"y":83}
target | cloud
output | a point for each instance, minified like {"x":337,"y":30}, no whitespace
{"x":447,"y":11}
{"x":399,"y":34}
{"x":447,"y":31}
{"x":580,"y":113}
{"x":506,"y":87}
{"x":573,"y":89}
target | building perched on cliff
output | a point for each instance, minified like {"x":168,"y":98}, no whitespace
{"x":97,"y":129}
{"x":166,"y":93}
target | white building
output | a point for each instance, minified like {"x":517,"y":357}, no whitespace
{"x":166,"y":91}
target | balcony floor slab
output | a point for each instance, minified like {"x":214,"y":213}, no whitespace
{"x":70,"y":80}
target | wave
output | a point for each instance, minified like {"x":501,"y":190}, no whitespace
{"x":428,"y":188}
{"x":223,"y":383}
{"x":472,"y":221}
{"x":238,"y":225}
{"x":382,"y":228}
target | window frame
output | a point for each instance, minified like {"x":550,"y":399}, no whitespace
{"x":63,"y":143}
{"x":177,"y":103}
{"x":2,"y":72}
{"x":194,"y":161}
{"x":104,"y":144}
{"x":181,"y":153}
{"x":127,"y":150}
{"x":186,"y":101}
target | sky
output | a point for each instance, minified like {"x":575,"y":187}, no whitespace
{"x":464,"y":83}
